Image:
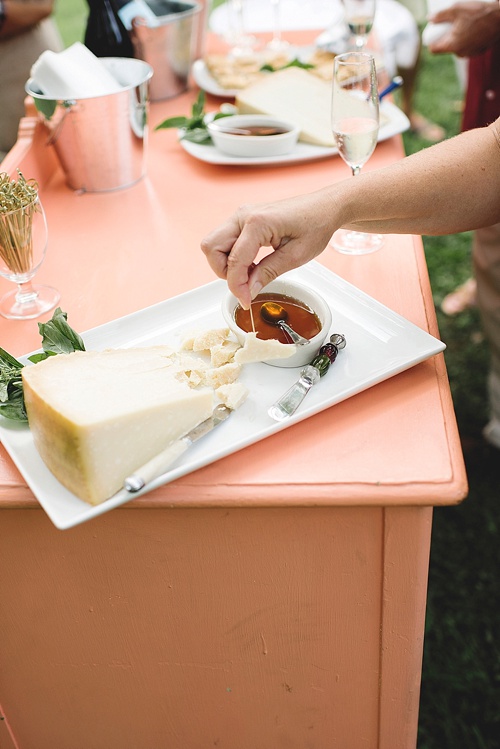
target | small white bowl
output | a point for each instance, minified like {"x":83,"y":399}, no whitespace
{"x":253,"y":145}
{"x":303,"y":354}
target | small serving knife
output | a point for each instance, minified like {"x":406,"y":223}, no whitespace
{"x":159,"y":465}
{"x":309,"y":376}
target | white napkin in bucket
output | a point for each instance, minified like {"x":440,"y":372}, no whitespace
{"x":74,"y":73}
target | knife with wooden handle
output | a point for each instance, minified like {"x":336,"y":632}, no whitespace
{"x":161,"y":463}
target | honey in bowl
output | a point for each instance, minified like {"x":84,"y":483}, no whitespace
{"x":300,"y":317}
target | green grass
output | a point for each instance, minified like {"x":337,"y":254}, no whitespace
{"x":460,"y":697}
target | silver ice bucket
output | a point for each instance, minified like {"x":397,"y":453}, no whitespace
{"x":169,"y":46}
{"x":101,"y":141}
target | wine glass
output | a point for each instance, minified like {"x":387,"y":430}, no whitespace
{"x":359,"y":15}
{"x":277,"y":44}
{"x":23,"y":244}
{"x":242,"y":44}
{"x":355,"y":124}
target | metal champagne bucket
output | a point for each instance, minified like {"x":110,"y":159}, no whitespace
{"x":101,"y":141}
{"x":169,"y":46}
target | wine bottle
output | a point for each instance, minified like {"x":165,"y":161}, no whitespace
{"x":105,"y":34}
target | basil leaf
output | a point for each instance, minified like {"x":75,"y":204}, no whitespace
{"x":298,"y":64}
{"x":41,"y":357}
{"x":173,"y":122}
{"x":11,"y":388}
{"x":6,"y":358}
{"x":199,"y":105}
{"x":58,"y":337}
{"x":14,"y":408}
{"x":200,"y":135}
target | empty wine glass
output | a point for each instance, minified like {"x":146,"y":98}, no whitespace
{"x":277,"y":43}
{"x":242,"y":44}
{"x":359,"y":15}
{"x":355,"y":124}
{"x":23,"y":244}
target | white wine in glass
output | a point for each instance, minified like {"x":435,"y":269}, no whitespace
{"x":355,"y":125}
{"x":359,"y":15}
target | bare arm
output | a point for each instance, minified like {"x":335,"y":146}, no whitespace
{"x":22,"y":14}
{"x":451,"y":187}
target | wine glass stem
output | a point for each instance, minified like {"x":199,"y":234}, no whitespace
{"x":277,"y":21}
{"x":355,"y":170}
{"x":26,"y":294}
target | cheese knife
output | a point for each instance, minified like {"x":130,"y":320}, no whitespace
{"x":159,"y":465}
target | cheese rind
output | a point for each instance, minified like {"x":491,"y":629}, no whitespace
{"x":96,"y":417}
{"x":295,"y":95}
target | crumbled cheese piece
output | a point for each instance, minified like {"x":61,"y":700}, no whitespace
{"x":256,"y":350}
{"x":205,"y":340}
{"x":223,"y":353}
{"x":232,"y":395}
{"x":188,"y":340}
{"x":217,"y":376}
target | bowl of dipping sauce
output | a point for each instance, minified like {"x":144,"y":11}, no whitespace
{"x":307,"y":313}
{"x":251,"y":135}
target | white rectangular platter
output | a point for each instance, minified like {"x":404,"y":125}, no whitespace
{"x":380,"y":344}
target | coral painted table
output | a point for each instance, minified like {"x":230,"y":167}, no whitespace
{"x":275,"y":598}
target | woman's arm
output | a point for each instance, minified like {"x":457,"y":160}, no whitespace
{"x":20,"y":15}
{"x":451,"y":187}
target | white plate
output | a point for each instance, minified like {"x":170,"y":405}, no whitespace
{"x":205,"y":80}
{"x":397,"y":122}
{"x":380,"y":344}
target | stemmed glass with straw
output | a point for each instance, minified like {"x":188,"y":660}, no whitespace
{"x":359,"y":15}
{"x":23,"y":244}
{"x":355,"y":125}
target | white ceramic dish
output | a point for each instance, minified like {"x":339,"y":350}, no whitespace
{"x":289,"y":287}
{"x":205,"y":80}
{"x":396,"y":122}
{"x":380,"y":344}
{"x":252,"y":146}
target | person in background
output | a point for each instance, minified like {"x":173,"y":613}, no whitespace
{"x":420,"y":125}
{"x":26,"y":30}
{"x":475,"y":34}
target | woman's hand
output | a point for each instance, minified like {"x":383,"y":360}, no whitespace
{"x":297,"y":230}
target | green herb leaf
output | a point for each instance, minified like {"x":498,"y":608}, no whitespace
{"x":14,"y":408}
{"x":11,"y":388}
{"x":199,"y":106}
{"x":173,"y":122}
{"x":193,"y":128}
{"x":296,"y":63}
{"x":41,"y":357}
{"x":46,"y":106}
{"x":58,"y":337}
{"x":199,"y":135}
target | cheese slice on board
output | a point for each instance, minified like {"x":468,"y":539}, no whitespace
{"x":96,"y":417}
{"x":295,"y":95}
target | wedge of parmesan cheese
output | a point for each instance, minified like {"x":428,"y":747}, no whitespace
{"x":295,"y":95}
{"x":255,"y":350}
{"x":96,"y":417}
